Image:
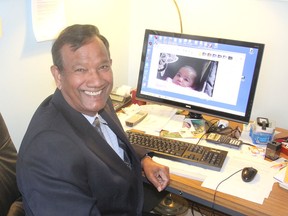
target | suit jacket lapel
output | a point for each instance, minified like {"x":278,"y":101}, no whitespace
{"x":89,"y":137}
{"x":114,"y":123}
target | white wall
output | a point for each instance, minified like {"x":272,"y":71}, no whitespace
{"x":25,"y":76}
{"x":112,"y":19}
{"x":25,"y":64}
{"x":263,"y":21}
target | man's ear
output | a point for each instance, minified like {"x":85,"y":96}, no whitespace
{"x":57,"y":76}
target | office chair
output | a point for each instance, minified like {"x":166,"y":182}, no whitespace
{"x":10,"y":198}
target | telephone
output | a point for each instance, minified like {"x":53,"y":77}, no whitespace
{"x":119,"y":101}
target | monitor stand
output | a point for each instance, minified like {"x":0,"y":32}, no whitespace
{"x":195,"y":115}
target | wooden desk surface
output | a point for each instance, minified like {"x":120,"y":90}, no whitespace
{"x":276,"y":204}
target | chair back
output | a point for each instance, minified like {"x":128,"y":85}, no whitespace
{"x":9,"y":192}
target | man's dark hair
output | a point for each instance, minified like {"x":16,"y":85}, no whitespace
{"x":76,"y":36}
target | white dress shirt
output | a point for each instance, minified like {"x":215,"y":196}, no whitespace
{"x":109,"y":135}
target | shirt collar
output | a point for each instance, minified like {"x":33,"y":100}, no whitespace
{"x":92,"y":118}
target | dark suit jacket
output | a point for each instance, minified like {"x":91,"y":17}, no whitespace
{"x":65,"y":168}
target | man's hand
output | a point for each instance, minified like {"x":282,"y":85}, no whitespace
{"x":156,"y":173}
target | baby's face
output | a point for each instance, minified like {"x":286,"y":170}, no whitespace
{"x":184,"y":77}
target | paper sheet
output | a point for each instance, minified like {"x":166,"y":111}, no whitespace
{"x":175,"y":124}
{"x":48,"y":18}
{"x":154,"y":122}
{"x":255,"y":191}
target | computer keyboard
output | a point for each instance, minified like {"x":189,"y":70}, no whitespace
{"x":192,"y":154}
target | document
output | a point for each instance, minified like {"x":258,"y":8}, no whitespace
{"x":255,"y":191}
{"x":158,"y":116}
{"x":48,"y":18}
{"x":282,"y":177}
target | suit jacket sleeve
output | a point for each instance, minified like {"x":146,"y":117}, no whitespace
{"x":141,"y":152}
{"x":64,"y":168}
{"x":60,"y":185}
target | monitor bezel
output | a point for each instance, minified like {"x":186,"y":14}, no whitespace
{"x":196,"y":109}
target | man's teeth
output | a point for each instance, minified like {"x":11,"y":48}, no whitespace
{"x":92,"y":93}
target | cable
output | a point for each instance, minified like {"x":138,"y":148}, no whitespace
{"x":214,"y":196}
{"x":206,"y":122}
{"x":193,"y":207}
{"x":200,"y":138}
{"x":179,"y":14}
{"x":210,"y":122}
{"x":249,"y":144}
{"x":227,"y":131}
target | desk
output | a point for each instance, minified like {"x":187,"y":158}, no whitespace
{"x":276,"y":204}
{"x":190,"y":189}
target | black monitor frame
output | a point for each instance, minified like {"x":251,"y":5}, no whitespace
{"x":244,"y":117}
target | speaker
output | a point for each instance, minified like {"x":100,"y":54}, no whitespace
{"x":172,"y":205}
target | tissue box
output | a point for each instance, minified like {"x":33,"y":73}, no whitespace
{"x":260,"y":136}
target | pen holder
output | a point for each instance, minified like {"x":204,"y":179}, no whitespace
{"x":273,"y":150}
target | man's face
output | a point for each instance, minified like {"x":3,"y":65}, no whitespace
{"x":87,"y":79}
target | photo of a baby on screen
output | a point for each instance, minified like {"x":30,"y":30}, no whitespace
{"x":186,"y":77}
{"x":188,"y":72}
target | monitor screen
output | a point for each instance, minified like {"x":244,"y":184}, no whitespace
{"x":204,"y":75}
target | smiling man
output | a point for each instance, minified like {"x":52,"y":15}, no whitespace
{"x":65,"y":166}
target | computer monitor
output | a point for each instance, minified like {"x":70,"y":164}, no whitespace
{"x":204,"y":75}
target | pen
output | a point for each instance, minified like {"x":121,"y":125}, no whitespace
{"x":280,"y":166}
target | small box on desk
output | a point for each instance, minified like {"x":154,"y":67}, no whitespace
{"x":273,"y":150}
{"x":260,"y":135}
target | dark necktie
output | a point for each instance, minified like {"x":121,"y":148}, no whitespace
{"x":97,"y":126}
{"x":127,"y":160}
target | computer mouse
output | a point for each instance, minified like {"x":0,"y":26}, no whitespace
{"x":248,"y":174}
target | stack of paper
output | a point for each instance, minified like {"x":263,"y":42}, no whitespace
{"x":158,"y":116}
{"x":229,"y":179}
{"x":282,"y":178}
